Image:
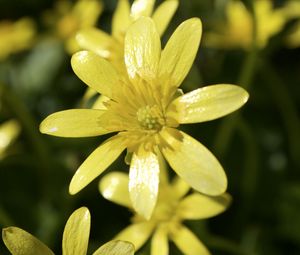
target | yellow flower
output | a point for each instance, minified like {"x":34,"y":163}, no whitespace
{"x":238,"y":30}
{"x":293,"y":39}
{"x":9,"y":131}
{"x":75,"y":239}
{"x":172,"y":208}
{"x":15,"y":36}
{"x":145,"y":108}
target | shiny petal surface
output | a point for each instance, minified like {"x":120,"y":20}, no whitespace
{"x":209,"y":103}
{"x":193,"y":162}
{"x":96,"y":72}
{"x":96,"y":163}
{"x":20,"y":242}
{"x":121,"y":19}
{"x":180,"y":52}
{"x":114,"y":187}
{"x":143,"y":182}
{"x":137,"y":233}
{"x":76,"y":233}
{"x":198,"y":206}
{"x":141,"y":8}
{"x":187,"y":242}
{"x":95,"y":40}
{"x":159,"y":242}
{"x":163,"y":15}
{"x":73,"y":123}
{"x":115,"y":247}
{"x":142,"y":50}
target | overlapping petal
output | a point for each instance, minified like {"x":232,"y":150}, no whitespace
{"x":198,"y":206}
{"x":143,"y":182}
{"x":142,"y":50}
{"x":209,"y":103}
{"x":20,"y":242}
{"x":180,"y":187}
{"x":76,"y":233}
{"x":141,"y":8}
{"x":74,"y":123}
{"x":115,"y":248}
{"x":121,"y":19}
{"x":193,"y":162}
{"x":159,"y":241}
{"x":180,"y":52}
{"x":96,"y":163}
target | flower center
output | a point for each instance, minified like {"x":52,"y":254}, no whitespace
{"x":150,"y":117}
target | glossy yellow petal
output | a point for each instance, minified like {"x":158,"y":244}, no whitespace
{"x":143,"y":182}
{"x":9,"y":131}
{"x":163,"y":14}
{"x":20,"y":242}
{"x":187,"y":242}
{"x":74,"y":123}
{"x":180,"y":52}
{"x":180,"y":187}
{"x":121,"y":20}
{"x":95,"y":40}
{"x":116,"y":248}
{"x":137,"y":233}
{"x":96,"y":163}
{"x":76,"y":233}
{"x":114,"y":187}
{"x":141,"y":8}
{"x":198,"y":206}
{"x":209,"y":103}
{"x":159,"y":241}
{"x":96,"y":72}
{"x":193,"y":162}
{"x":142,"y":50}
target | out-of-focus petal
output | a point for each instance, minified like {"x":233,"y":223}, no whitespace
{"x":159,"y":241}
{"x":180,"y":52}
{"x":121,"y":19}
{"x":198,"y":206}
{"x":74,"y":123}
{"x":9,"y":131}
{"x":137,"y":233}
{"x":163,"y":14}
{"x":96,"y":163}
{"x":20,"y":242}
{"x":180,"y":187}
{"x":143,"y":182}
{"x":187,"y":242}
{"x":114,"y":187}
{"x":100,"y":102}
{"x":142,"y":50}
{"x":141,"y":8}
{"x":115,"y":247}
{"x":209,"y":103}
{"x":96,"y":72}
{"x":193,"y":162}
{"x":77,"y":232}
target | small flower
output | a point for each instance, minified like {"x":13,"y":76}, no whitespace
{"x":172,"y":208}
{"x":15,"y":36}
{"x":9,"y":131}
{"x":145,"y":108}
{"x":75,"y":239}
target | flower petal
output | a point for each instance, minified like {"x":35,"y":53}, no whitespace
{"x":141,"y":8}
{"x":163,"y":15}
{"x":121,"y":20}
{"x":96,"y":72}
{"x":115,"y":247}
{"x":193,"y":162}
{"x":143,"y":182}
{"x":159,"y":242}
{"x":9,"y":130}
{"x":114,"y":187}
{"x":137,"y":233}
{"x":180,"y":187}
{"x":180,"y":52}
{"x":74,"y":123}
{"x":96,"y":163}
{"x":76,"y":233}
{"x":20,"y":242}
{"x":209,"y":103}
{"x":142,"y":50}
{"x":187,"y":242}
{"x":198,"y":206}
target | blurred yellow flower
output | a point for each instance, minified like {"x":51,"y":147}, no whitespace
{"x":292,"y":11}
{"x":145,"y":108}
{"x":69,"y":18}
{"x":293,"y":39}
{"x":75,"y":239}
{"x":15,"y":36}
{"x":237,"y":32}
{"x":9,"y":131}
{"x":172,"y":208}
